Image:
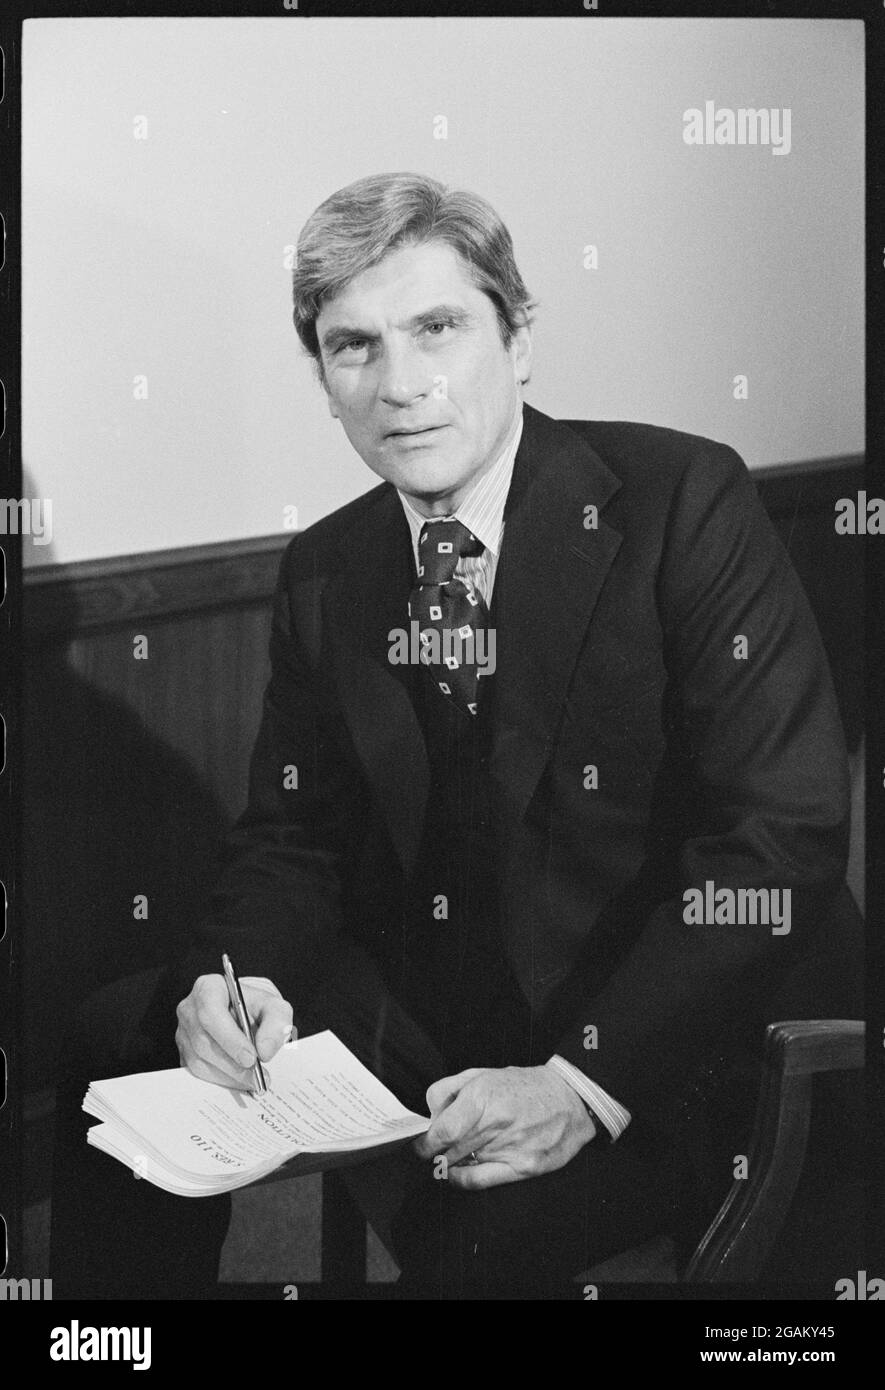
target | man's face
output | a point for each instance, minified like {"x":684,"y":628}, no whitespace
{"x":416,"y":372}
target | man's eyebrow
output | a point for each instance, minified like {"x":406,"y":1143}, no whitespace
{"x":455,"y":312}
{"x":342,"y":333}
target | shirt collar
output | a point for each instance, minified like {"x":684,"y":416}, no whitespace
{"x":482,"y":510}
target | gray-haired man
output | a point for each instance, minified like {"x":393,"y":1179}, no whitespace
{"x":480,"y":879}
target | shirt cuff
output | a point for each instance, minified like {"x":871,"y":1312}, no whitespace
{"x":614,"y":1116}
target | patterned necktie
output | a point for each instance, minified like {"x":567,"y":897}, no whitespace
{"x":449,"y":612}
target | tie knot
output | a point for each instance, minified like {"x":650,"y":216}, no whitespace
{"x":440,"y":546}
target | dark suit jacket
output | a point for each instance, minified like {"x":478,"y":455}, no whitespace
{"x":615,"y":647}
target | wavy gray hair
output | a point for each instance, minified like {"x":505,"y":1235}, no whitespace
{"x":358,"y":225}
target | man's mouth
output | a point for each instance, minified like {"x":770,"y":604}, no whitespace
{"x":426,"y":429}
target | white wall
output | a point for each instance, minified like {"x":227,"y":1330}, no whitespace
{"x":165,"y":256}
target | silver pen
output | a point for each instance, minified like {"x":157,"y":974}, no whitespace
{"x":238,"y":1006}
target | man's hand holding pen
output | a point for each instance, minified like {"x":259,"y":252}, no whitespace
{"x":210,"y":1042}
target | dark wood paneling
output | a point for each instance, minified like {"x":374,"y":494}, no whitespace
{"x":802,"y":505}
{"x":164,"y":583}
{"x":133,"y":769}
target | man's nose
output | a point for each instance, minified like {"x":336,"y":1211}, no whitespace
{"x":404,"y":378}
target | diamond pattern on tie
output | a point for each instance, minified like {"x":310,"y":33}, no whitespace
{"x":450,"y":608}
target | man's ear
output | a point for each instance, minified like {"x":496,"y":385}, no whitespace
{"x":521,"y":344}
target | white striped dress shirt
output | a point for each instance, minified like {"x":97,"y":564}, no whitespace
{"x":482,"y":512}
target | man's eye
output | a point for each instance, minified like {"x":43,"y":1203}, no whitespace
{"x":353,"y":343}
{"x":436,"y":324}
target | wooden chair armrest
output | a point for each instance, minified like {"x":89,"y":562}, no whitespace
{"x":744,"y":1231}
{"x":808,"y":1046}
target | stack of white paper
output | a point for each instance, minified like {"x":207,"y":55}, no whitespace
{"x":195,"y":1139}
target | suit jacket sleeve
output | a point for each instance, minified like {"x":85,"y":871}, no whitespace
{"x":761,"y":748}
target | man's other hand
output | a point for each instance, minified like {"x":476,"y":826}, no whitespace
{"x":520,"y":1122}
{"x":209,"y":1040}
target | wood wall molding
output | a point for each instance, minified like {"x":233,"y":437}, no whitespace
{"x":812,"y":485}
{"x":100,"y":594}
{"x":95,"y":594}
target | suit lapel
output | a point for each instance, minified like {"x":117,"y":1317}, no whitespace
{"x":550,"y":574}
{"x":366,"y":600}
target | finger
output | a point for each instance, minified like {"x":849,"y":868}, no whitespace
{"x":472,"y":1177}
{"x":444,"y":1091}
{"x":204,"y":1071}
{"x":197,"y":1046}
{"x":211,"y":1004}
{"x":458,"y":1122}
{"x":461,"y":1152}
{"x":273,"y":1017}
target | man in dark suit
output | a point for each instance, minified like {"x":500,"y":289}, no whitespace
{"x":513,"y":875}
